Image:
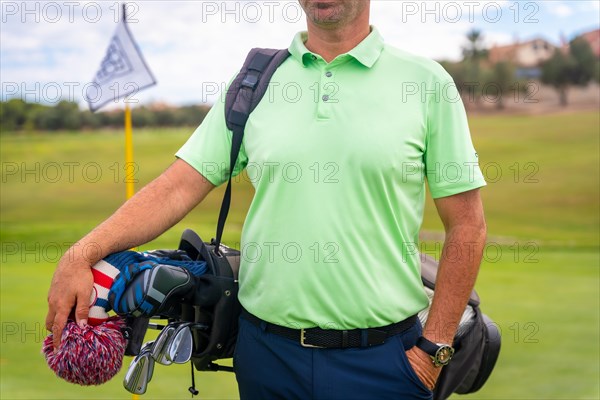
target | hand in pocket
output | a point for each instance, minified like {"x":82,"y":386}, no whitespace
{"x":423,"y":366}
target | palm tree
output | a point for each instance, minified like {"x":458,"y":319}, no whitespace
{"x":473,"y":53}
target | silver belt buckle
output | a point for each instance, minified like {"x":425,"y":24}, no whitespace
{"x":304,"y":344}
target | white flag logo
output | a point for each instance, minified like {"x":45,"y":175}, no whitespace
{"x":123,"y":71}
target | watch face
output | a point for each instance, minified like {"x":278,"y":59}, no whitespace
{"x":443,"y":355}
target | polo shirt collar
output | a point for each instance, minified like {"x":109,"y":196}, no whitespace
{"x":366,"y":52}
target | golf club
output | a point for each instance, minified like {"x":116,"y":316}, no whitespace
{"x":140,"y":371}
{"x":180,"y":345}
{"x":158,"y":349}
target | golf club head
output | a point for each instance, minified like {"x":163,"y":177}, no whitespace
{"x":180,"y":345}
{"x":158,"y":350}
{"x":140,"y":371}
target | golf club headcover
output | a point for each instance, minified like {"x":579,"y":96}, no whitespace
{"x":88,"y":355}
{"x":116,"y":272}
{"x":149,"y":282}
{"x":104,"y":276}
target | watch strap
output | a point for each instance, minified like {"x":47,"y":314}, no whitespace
{"x":427,"y":346}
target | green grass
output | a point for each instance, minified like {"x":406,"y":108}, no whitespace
{"x":542,"y":290}
{"x":543,"y":175}
{"x":548,"y":315}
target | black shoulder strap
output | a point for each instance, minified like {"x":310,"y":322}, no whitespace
{"x":243,"y":95}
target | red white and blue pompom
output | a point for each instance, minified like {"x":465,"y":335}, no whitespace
{"x":89,"y":355}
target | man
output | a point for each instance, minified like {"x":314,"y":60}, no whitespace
{"x":329,"y":239}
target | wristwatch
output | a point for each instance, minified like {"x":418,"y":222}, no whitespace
{"x":440,"y":353}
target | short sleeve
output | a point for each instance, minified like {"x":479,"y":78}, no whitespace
{"x":451,"y":162}
{"x":208,"y":149}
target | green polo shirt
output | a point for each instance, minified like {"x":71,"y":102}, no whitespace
{"x":339,"y":154}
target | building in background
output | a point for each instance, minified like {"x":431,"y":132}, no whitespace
{"x":525,"y":56}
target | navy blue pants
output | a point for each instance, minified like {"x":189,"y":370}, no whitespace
{"x":269,"y":366}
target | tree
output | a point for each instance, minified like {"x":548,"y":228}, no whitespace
{"x":576,"y":67}
{"x":556,"y":72}
{"x":500,"y":81}
{"x":90,"y":120}
{"x":18,"y":115}
{"x":142,"y":117}
{"x":69,"y":115}
{"x":475,"y":49}
{"x":456,"y":71}
{"x":13,"y":114}
{"x":474,"y":53}
{"x":585,"y":61}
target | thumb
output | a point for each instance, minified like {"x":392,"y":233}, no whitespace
{"x":82,"y":308}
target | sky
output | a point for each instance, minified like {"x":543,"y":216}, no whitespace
{"x":50,"y":50}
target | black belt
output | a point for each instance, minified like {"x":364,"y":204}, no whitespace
{"x":329,"y":338}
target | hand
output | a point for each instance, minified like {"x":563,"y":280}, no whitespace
{"x":423,"y":366}
{"x":71,"y":287}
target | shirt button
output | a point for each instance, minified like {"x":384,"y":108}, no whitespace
{"x":328,"y":74}
{"x":325,"y":97}
{"x":313,"y":57}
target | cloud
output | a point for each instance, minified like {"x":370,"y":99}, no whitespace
{"x":559,"y":8}
{"x":589,"y":5}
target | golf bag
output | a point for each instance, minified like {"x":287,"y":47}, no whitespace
{"x":208,"y":300}
{"x":216,"y":304}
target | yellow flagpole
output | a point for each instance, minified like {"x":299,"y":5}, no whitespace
{"x":129,"y":166}
{"x":129,"y":170}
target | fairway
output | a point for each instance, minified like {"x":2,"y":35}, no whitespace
{"x":539,"y":280}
